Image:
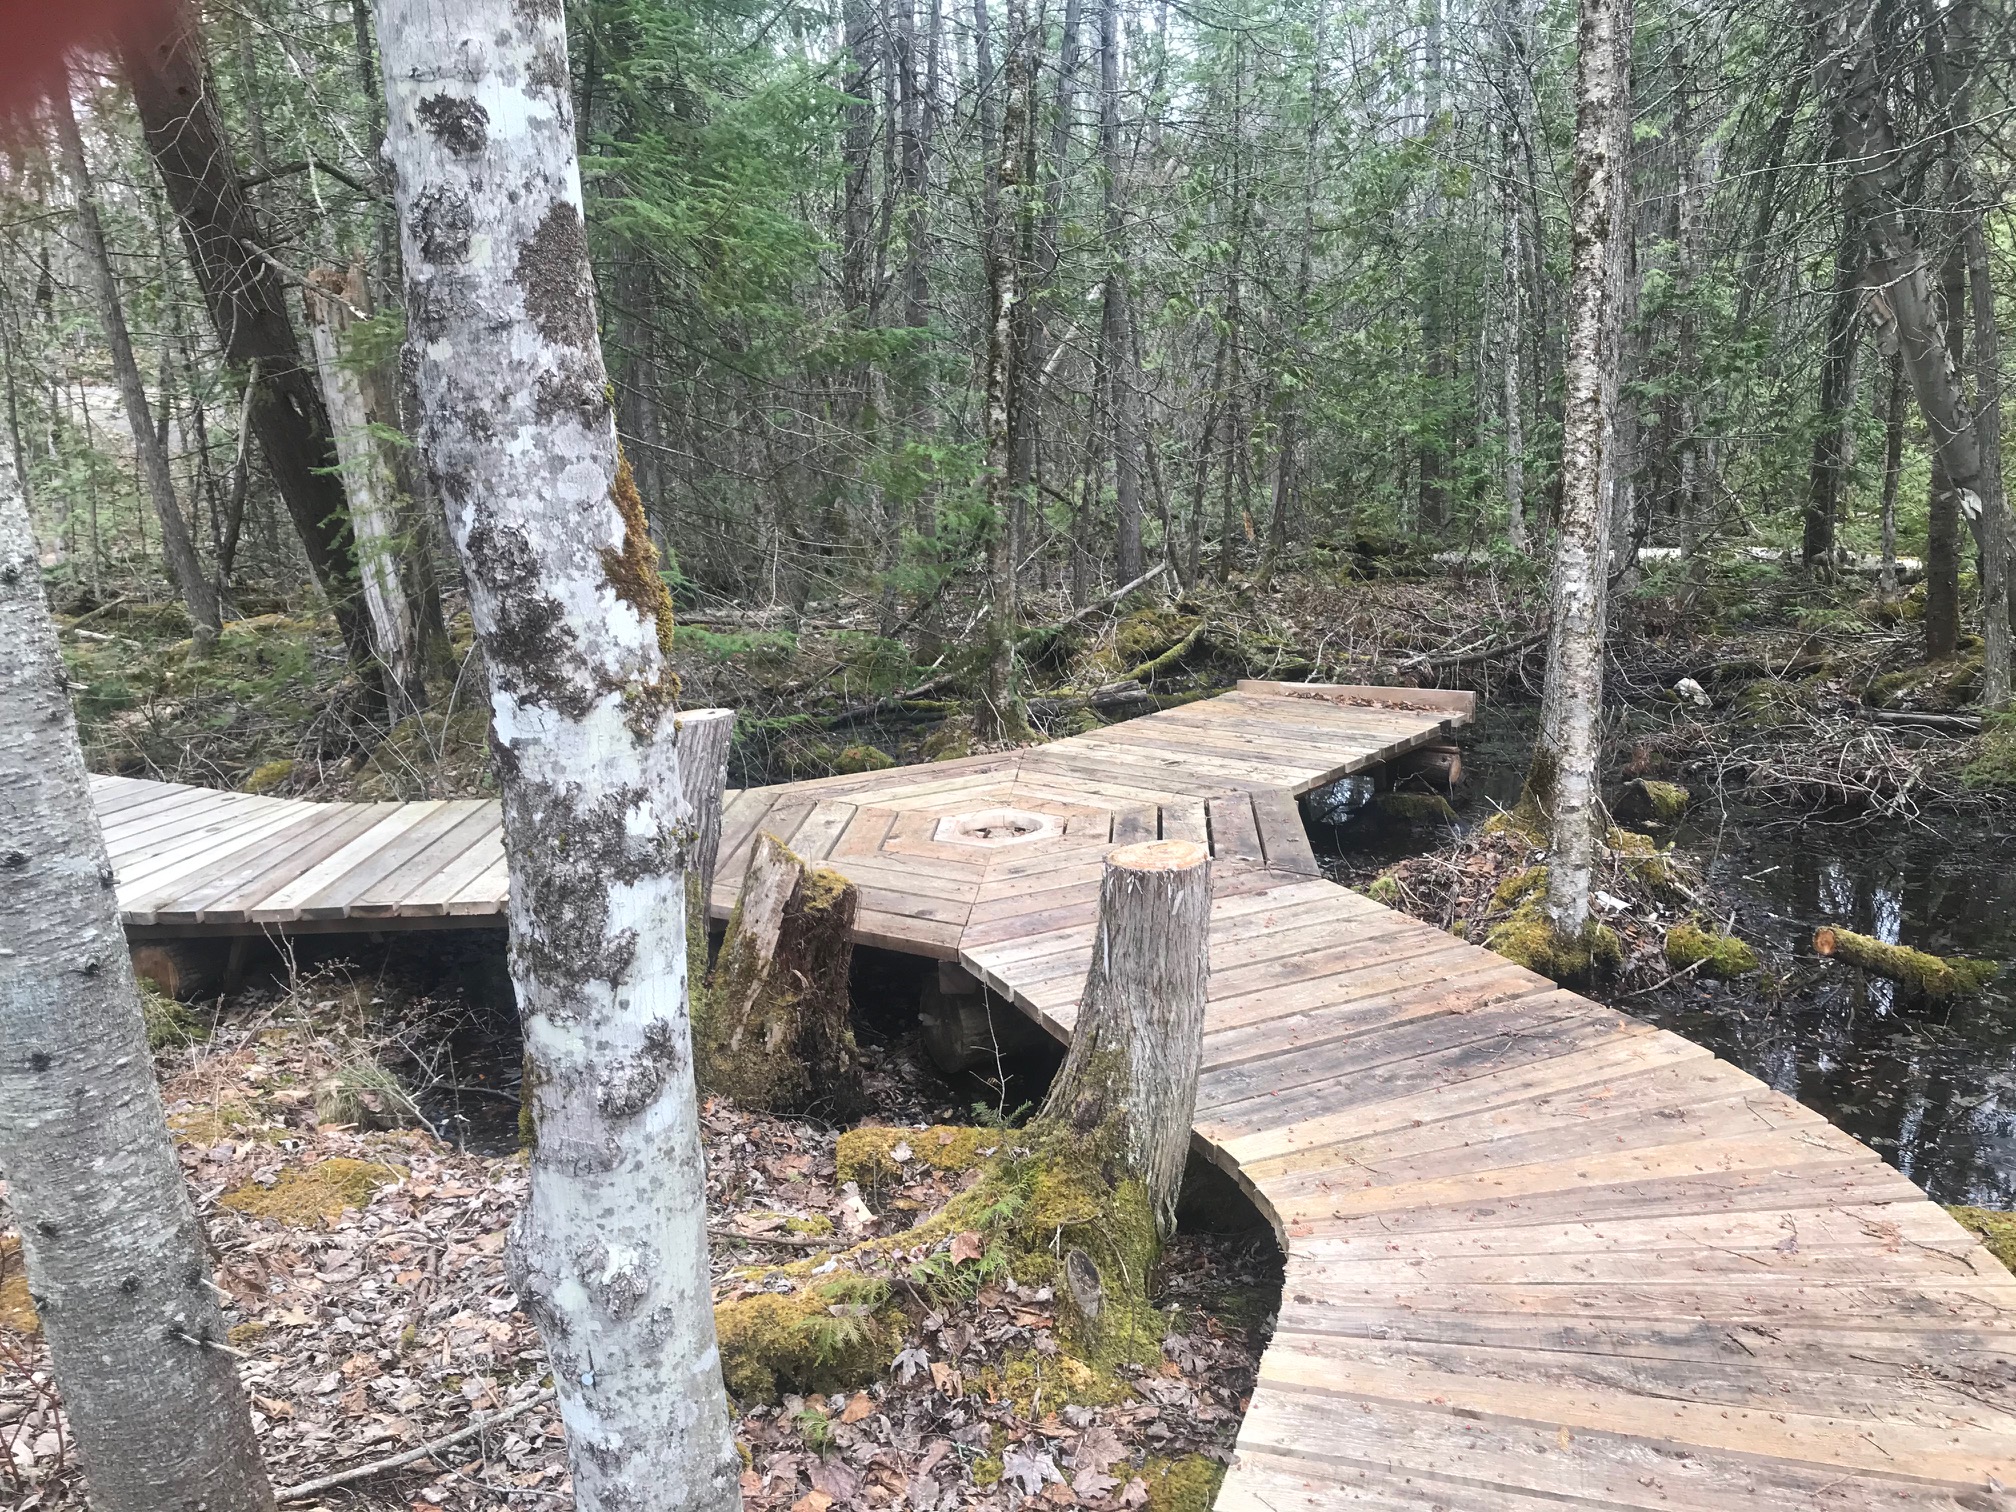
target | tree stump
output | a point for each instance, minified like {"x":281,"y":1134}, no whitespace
{"x":773,"y":1028}
{"x":704,"y":737}
{"x":1129,"y":1082}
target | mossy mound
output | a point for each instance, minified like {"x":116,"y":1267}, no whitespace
{"x":863,"y":758}
{"x":1936,"y":687}
{"x":828,"y":1336}
{"x":1415,"y":808}
{"x":1918,"y":972}
{"x":301,"y":1196}
{"x":869,"y":1155}
{"x":170,"y":1024}
{"x":1037,"y":1383}
{"x":1189,"y":1484}
{"x":269,"y":775}
{"x":17,"y":1308}
{"x":951,"y":740}
{"x":1042,"y":1216}
{"x":1385,"y":888}
{"x":1520,"y":886}
{"x":1992,"y":763}
{"x":1710,"y":953}
{"x":1528,"y":938}
{"x":1648,"y":802}
{"x":1147,"y":633}
{"x":1995,"y":1230}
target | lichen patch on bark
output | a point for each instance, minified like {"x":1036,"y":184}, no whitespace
{"x":555,"y":278}
{"x":458,"y":123}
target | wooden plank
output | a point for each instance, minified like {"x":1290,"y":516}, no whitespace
{"x":1132,"y":826}
{"x":1282,"y":835}
{"x":828,"y":820}
{"x":485,"y":893}
{"x":435,"y":897}
{"x":1186,"y":821}
{"x":1234,"y":834}
{"x":156,"y":878}
{"x":1457,"y":701}
{"x":428,"y":856}
{"x":241,"y":881}
{"x":284,"y":903}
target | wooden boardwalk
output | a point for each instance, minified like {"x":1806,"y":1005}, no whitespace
{"x":1539,"y":1254}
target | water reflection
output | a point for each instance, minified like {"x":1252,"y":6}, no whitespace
{"x":1931,"y":1088}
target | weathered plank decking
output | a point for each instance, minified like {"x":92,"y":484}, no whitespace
{"x":1539,"y":1254}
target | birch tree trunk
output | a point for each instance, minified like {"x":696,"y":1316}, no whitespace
{"x":198,"y":594}
{"x":389,"y":561}
{"x":1563,"y":781}
{"x":999,"y":713}
{"x":575,"y":625}
{"x":116,"y":1261}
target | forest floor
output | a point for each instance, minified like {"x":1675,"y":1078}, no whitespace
{"x":368,"y":1295}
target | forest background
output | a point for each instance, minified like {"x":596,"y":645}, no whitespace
{"x":1288,"y":295}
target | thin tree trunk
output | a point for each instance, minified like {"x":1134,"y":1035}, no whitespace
{"x":1898,"y":269}
{"x":1288,"y":436}
{"x":1116,"y":335}
{"x":1893,"y":468}
{"x":149,"y":447}
{"x":1993,"y":524}
{"x":116,"y":1260}
{"x":1942,"y":504}
{"x":248,"y":305}
{"x":1512,"y":262}
{"x":1837,"y":382}
{"x":362,"y":405}
{"x":575,"y":626}
{"x":999,"y":715}
{"x":1563,"y":782}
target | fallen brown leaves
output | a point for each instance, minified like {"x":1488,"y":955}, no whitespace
{"x":391,"y":1323}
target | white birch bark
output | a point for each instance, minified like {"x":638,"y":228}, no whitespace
{"x":1565,"y":765}
{"x":376,"y":510}
{"x":116,"y":1261}
{"x":610,"y":1254}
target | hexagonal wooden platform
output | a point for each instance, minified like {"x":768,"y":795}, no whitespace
{"x":1540,"y":1254}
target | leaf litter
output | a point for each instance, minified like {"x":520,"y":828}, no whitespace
{"x":371,"y":1314}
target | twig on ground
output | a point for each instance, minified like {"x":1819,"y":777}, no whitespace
{"x":399,"y":1461}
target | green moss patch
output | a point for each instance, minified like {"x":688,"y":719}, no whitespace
{"x":1709,"y":953}
{"x":1995,"y":1230}
{"x":1189,"y":1484}
{"x":1992,"y":762}
{"x":1645,"y":801}
{"x":868,"y":1155}
{"x":1528,"y":938}
{"x":827,"y":1336}
{"x":302,"y":1196}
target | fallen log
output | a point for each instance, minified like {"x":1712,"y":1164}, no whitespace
{"x":1937,"y":978}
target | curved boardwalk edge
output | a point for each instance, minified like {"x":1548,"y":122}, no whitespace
{"x":1539,"y":1254}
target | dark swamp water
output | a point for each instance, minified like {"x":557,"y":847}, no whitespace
{"x":1930,"y":1087}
